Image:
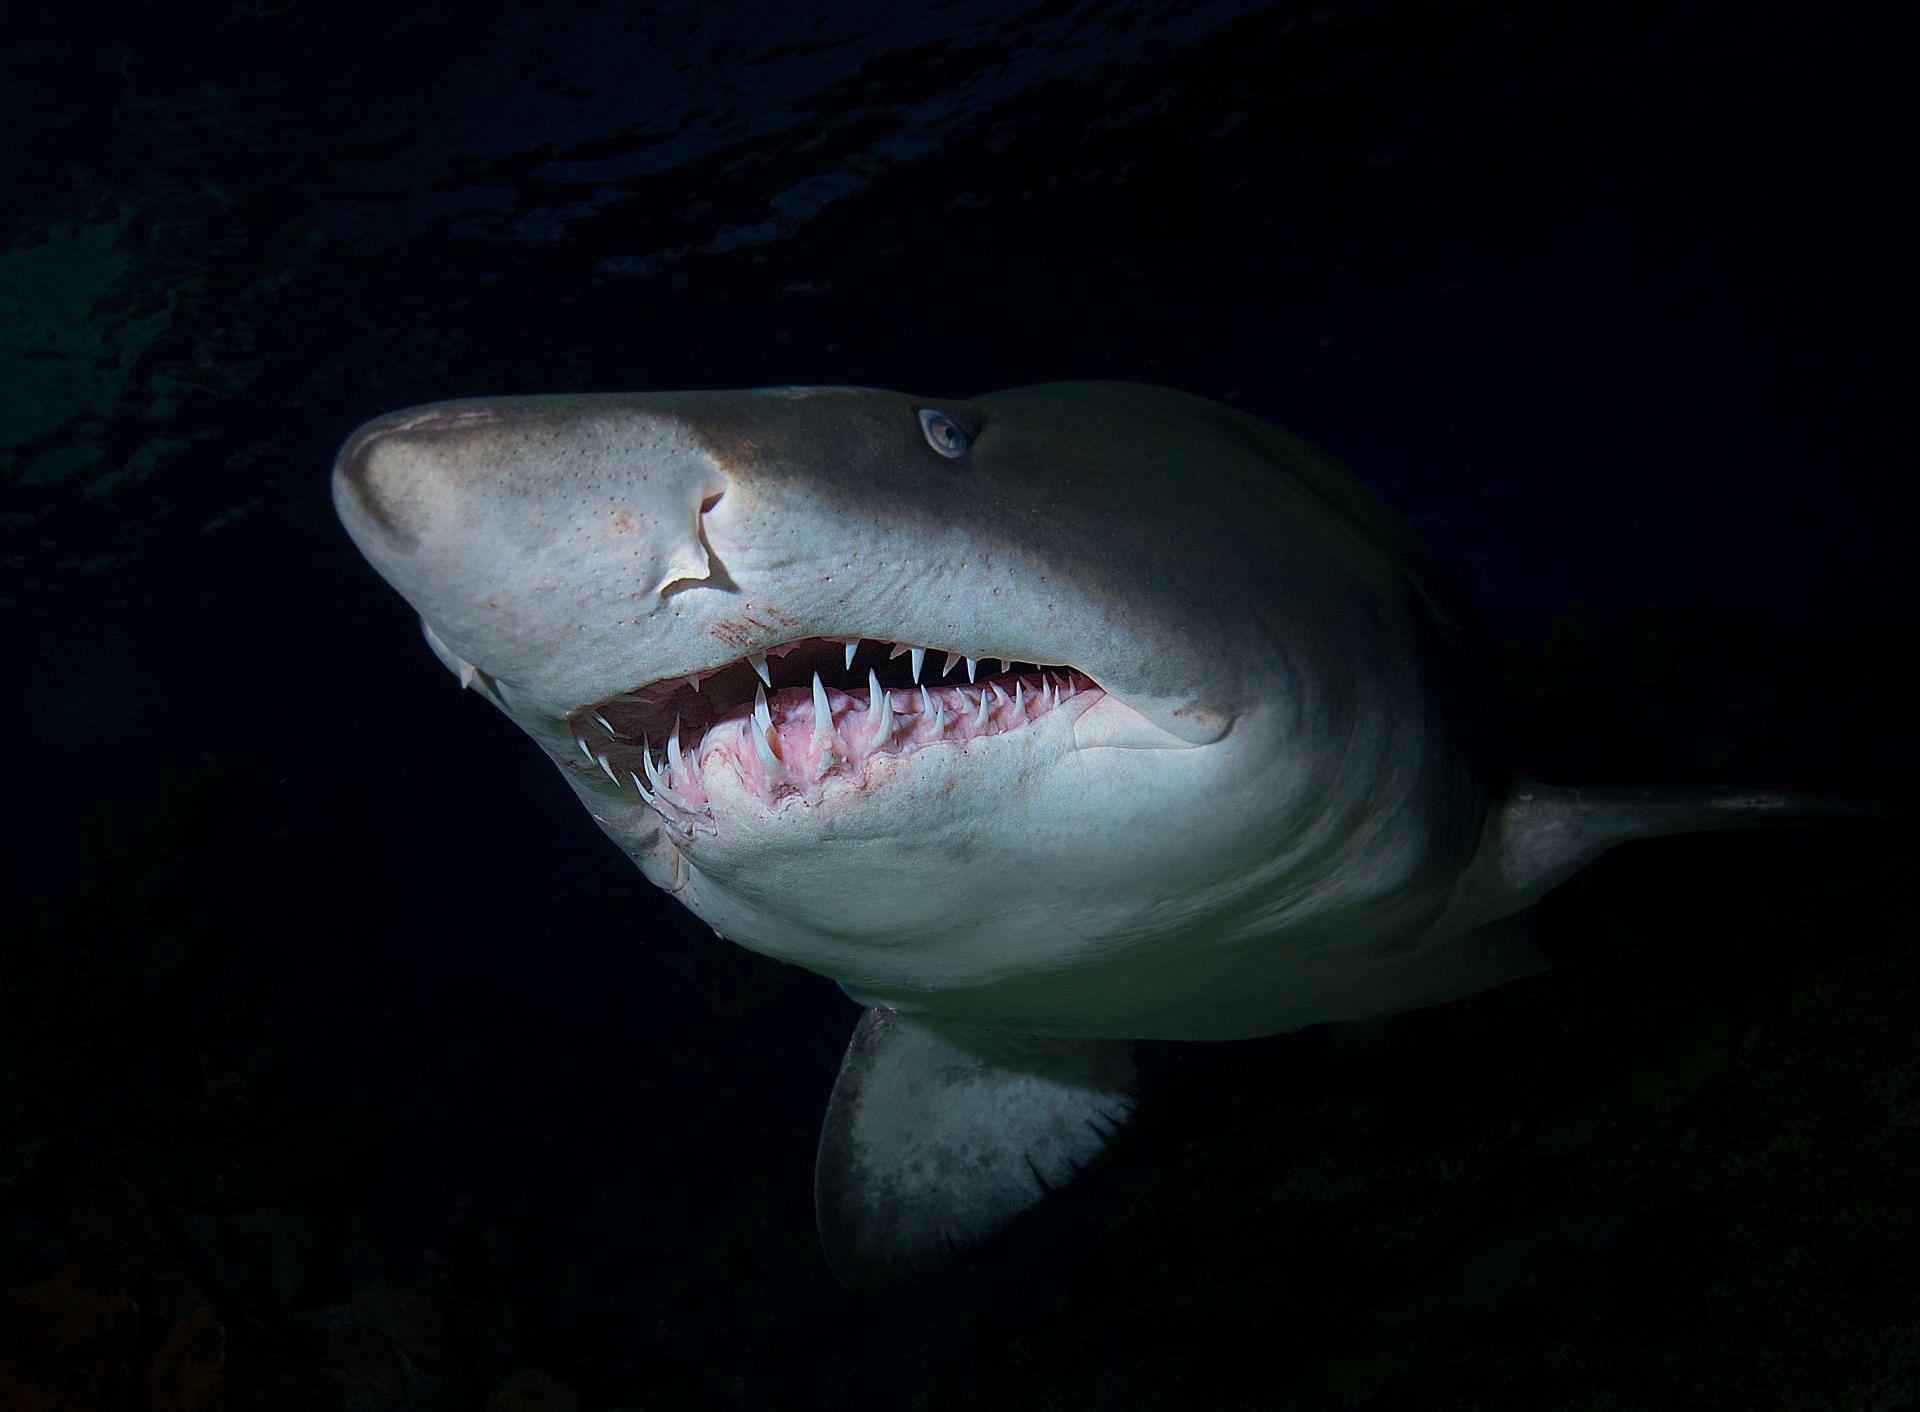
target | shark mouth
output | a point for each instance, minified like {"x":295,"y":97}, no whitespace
{"x":800,"y":716}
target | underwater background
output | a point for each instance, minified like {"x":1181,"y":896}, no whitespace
{"x":343,"y":1065}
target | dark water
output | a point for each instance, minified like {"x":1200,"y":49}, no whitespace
{"x":343,"y":1065}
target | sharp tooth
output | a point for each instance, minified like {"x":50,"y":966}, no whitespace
{"x":661,"y":787}
{"x":758,"y":661}
{"x":822,"y":712}
{"x":879,"y":709}
{"x":852,"y":647}
{"x":970,"y":668}
{"x":953,"y":660}
{"x":980,"y":716}
{"x":582,"y":743}
{"x":693,"y":683}
{"x":1019,"y":696}
{"x":637,"y":785}
{"x":926,"y":702}
{"x":999,"y":691}
{"x":603,"y":724}
{"x":653,"y":770}
{"x":919,"y":658}
{"x":768,"y":762}
{"x":1053,"y":693}
{"x":675,"y":760}
{"x":601,"y":761}
{"x":763,"y":723}
{"x":1005,"y":666}
{"x":900,"y":649}
{"x":939,"y":717}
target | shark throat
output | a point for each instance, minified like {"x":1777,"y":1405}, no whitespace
{"x":807,"y":716}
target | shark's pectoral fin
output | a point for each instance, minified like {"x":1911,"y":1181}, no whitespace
{"x":937,"y":1136}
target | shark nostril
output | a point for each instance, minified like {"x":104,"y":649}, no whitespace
{"x":708,"y":571}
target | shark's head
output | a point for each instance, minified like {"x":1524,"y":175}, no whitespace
{"x":922,"y":694}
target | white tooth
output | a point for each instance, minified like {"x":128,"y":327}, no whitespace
{"x":919,"y":658}
{"x":1005,"y":666}
{"x":884,"y":728}
{"x":675,"y":760}
{"x":999,"y":691}
{"x":603,"y":724}
{"x":822,"y":711}
{"x":953,"y":660}
{"x":763,"y":720}
{"x":939,"y":717}
{"x":637,"y":785}
{"x":1019,"y":696}
{"x":1053,"y":693}
{"x":926,"y":702}
{"x":601,"y":761}
{"x":852,"y":647}
{"x":653,"y":770}
{"x":693,"y":683}
{"x":900,"y":649}
{"x":663,"y":788}
{"x":758,"y":661}
{"x":873,"y":691}
{"x":980,"y":716}
{"x":970,"y":668}
{"x":761,"y":714}
{"x":582,"y":743}
{"x":767,"y":761}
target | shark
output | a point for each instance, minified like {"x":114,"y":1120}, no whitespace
{"x":1042,"y":722}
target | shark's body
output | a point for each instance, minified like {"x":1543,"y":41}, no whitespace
{"x":1044,"y":722}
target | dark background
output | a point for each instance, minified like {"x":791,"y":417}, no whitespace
{"x":344,"y":1065}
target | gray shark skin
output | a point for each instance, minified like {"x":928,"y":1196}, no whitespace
{"x":1154,"y":720}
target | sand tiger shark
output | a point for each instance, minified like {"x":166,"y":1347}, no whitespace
{"x":1043,"y":722}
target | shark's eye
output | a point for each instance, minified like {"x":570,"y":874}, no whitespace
{"x":943,"y":433}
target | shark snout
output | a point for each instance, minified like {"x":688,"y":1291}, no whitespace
{"x":573,"y":480}
{"x":525,"y":529}
{"x":376,"y":482}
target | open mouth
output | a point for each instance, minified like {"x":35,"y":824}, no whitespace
{"x":799,"y":716}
